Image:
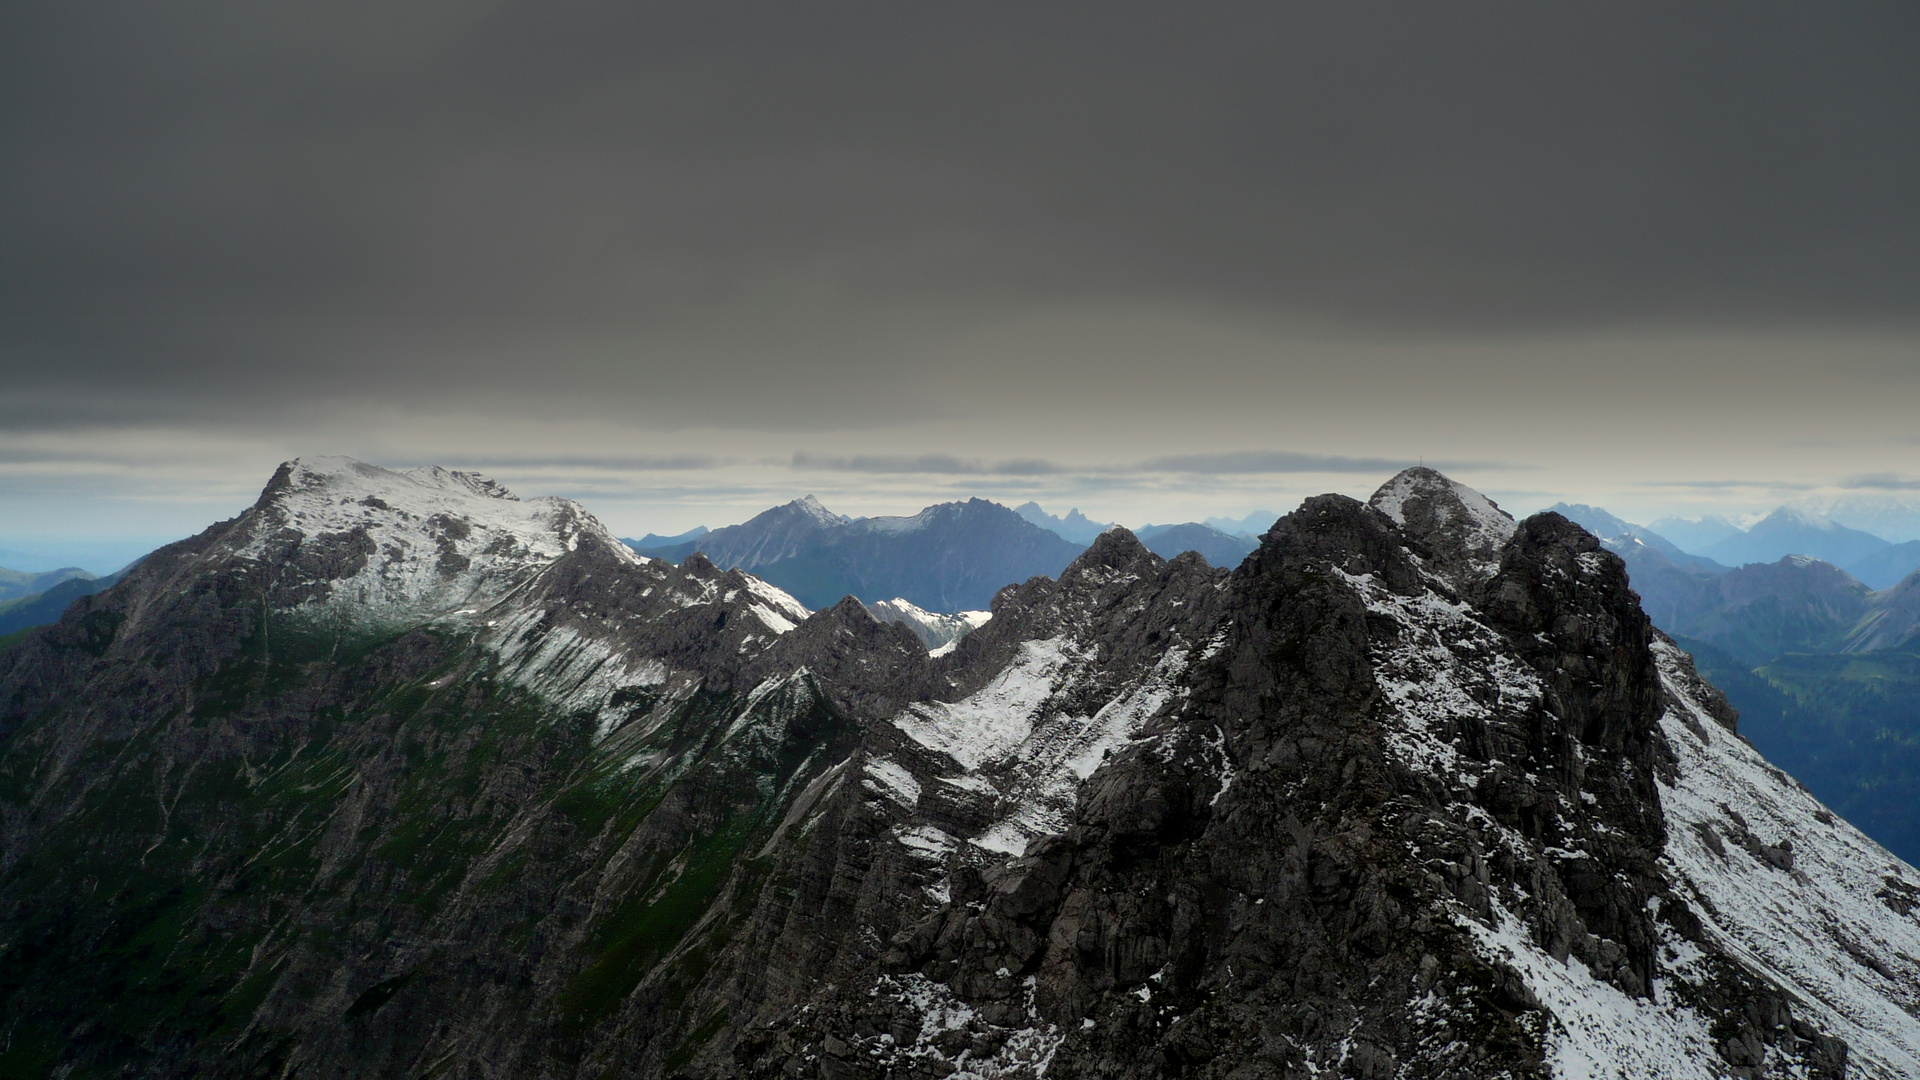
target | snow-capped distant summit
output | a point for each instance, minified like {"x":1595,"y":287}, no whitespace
{"x":1791,"y":531}
{"x":1463,"y":529}
{"x":1696,"y":535}
{"x":1893,"y":519}
{"x":818,"y":511}
{"x":419,"y":541}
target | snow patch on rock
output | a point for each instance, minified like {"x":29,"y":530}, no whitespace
{"x":887,"y":777}
{"x":1444,"y":664}
{"x":1450,"y":514}
{"x":988,"y":724}
{"x":1022,"y":1053}
{"x":1596,"y":1029}
{"x":569,"y":668}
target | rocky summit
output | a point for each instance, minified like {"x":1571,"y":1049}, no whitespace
{"x":399,"y":775}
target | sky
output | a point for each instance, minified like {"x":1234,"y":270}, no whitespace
{"x":1159,"y":262}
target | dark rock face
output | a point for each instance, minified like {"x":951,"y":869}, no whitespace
{"x":1354,"y":808}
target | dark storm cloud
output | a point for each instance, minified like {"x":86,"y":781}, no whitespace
{"x":1253,"y":462}
{"x":695,"y":202}
{"x":615,"y":463}
{"x":1881,"y":482}
{"x":935,"y":464}
{"x":1280,"y":461}
{"x":1729,"y":485}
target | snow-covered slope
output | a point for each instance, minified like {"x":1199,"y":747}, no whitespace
{"x":1792,"y":890}
{"x":570,"y":611}
{"x":991,"y":770}
{"x":940,"y":632}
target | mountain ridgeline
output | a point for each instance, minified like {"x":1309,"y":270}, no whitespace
{"x":1798,"y":603}
{"x":396,"y":774}
{"x":949,"y":558}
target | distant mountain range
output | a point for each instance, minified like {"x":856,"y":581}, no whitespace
{"x":1795,"y":603}
{"x":1887,"y":567}
{"x":17,"y":583}
{"x":58,"y":590}
{"x":1822,"y":663}
{"x":948,"y":558}
{"x":1894,"y":520}
{"x":1255,"y":524}
{"x":1076,"y":526}
{"x":1221,"y":541}
{"x":1716,"y":544}
{"x":1787,"y":531}
{"x":1218,"y":548}
{"x":1696,"y":534}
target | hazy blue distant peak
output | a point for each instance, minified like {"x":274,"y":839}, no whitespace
{"x":1218,"y":548}
{"x":655,"y":540}
{"x":1075,"y":526}
{"x":1255,"y":524}
{"x":59,"y":554}
{"x":1891,"y":519}
{"x":1595,"y":520}
{"x":1887,"y":567}
{"x":1790,"y":531}
{"x":1696,"y":535}
{"x":1794,"y":516}
{"x":17,"y":583}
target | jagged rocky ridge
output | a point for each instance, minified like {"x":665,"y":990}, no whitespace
{"x":398,"y":775}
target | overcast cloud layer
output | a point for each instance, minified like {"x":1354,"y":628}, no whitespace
{"x":1157,"y":260}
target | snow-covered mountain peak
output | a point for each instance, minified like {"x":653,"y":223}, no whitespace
{"x":1464,"y":529}
{"x":1788,"y":515}
{"x":418,"y":541}
{"x":817,"y":510}
{"x":1449,"y":496}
